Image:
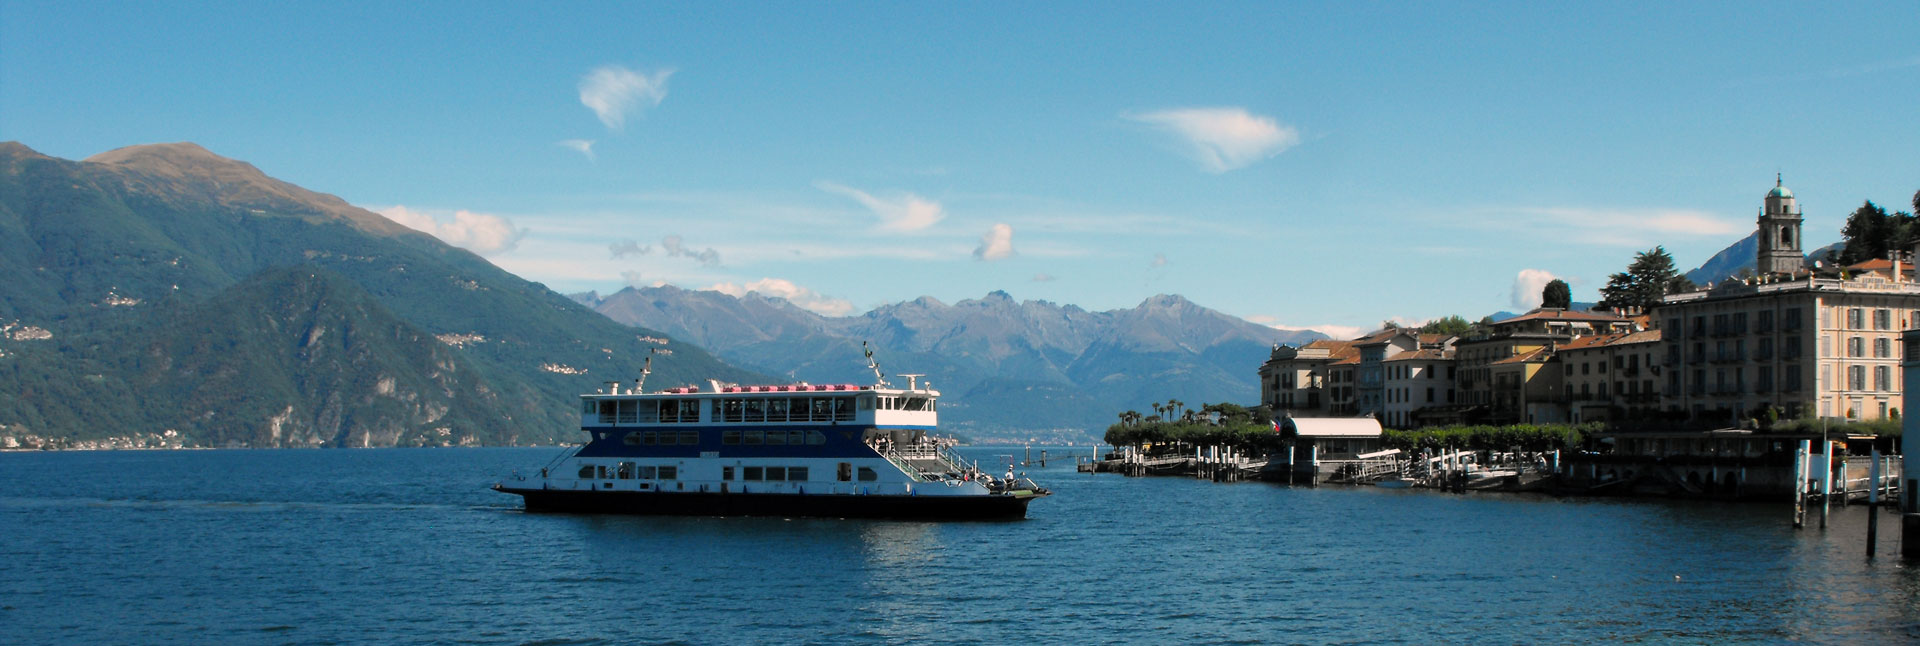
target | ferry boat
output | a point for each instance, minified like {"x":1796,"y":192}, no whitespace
{"x":838,"y":450}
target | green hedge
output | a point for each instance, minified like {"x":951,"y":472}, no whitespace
{"x":1528,"y":437}
{"x":1241,"y":436}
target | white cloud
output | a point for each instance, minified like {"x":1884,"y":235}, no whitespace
{"x":583,"y":146}
{"x":1339,"y":332}
{"x":996,"y":244}
{"x":480,"y":233}
{"x":909,"y":212}
{"x":632,"y":279}
{"x":626,"y":248}
{"x":1159,"y":260}
{"x":1222,"y":139}
{"x":676,"y":248}
{"x":801,"y":297}
{"x":613,"y":92}
{"x":1043,"y":278}
{"x":1527,"y":287}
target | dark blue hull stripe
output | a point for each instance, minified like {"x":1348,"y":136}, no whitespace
{"x":670,"y":503}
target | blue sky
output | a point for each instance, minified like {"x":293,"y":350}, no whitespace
{"x":1302,"y":165}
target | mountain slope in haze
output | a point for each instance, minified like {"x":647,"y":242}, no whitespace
{"x":1006,"y":366}
{"x":1742,"y":256}
{"x":102,"y":252}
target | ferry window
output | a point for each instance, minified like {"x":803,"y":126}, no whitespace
{"x":649,"y":438}
{"x":605,"y":473}
{"x":776,"y":474}
{"x":776,"y":438}
{"x":669,"y":473}
{"x":752,"y":474}
{"x":689,"y":438}
{"x":625,"y":471}
{"x":627,"y":408}
{"x":797,"y":409}
{"x":866,"y":402}
{"x":796,"y":474}
{"x":669,"y":410}
{"x":590,"y":407}
{"x":632,"y":439}
{"x":843,"y":408}
{"x":777,"y":410}
{"x":916,"y":403}
{"x":816,"y":438}
{"x":754,"y":438}
{"x":648,"y":412}
{"x":726,"y":473}
{"x":690,"y":411}
{"x":796,"y":438}
{"x":646,"y":473}
{"x":586,"y":472}
{"x":734,"y":410}
{"x":822,"y":409}
{"x":867,"y":474}
{"x":844,"y":473}
{"x":607,"y":408}
{"x":756,"y":410}
{"x":730,"y":438}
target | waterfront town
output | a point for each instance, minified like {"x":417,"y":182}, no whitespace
{"x":1683,"y":397}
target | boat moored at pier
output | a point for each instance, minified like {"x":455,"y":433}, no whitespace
{"x":839,"y":450}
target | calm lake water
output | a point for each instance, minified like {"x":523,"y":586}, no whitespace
{"x":407,"y":546}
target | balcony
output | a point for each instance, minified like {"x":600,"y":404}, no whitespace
{"x":1729,"y":357}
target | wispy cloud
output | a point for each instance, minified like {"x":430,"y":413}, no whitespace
{"x":996,"y":244}
{"x":583,"y":146}
{"x":480,"y":233}
{"x":802,"y":297}
{"x":1527,"y":287}
{"x":626,"y":248}
{"x":676,"y":248}
{"x":1600,"y":226}
{"x":1159,"y":260}
{"x":632,"y":278}
{"x":614,"y":92}
{"x":1222,"y":139}
{"x":908,"y":212}
{"x":1043,"y":278}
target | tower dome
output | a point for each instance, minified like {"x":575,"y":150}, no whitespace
{"x":1778,"y":190}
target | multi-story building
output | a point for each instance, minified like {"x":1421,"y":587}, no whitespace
{"x":1610,"y":377}
{"x":1501,"y":372}
{"x":1790,"y":339}
{"x":1418,"y":380}
{"x":1370,"y":374}
{"x":1295,"y":380}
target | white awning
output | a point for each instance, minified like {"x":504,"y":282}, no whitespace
{"x":1330,"y":427}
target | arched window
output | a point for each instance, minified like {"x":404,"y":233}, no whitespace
{"x":1786,"y":237}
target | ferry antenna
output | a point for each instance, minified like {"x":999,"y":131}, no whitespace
{"x":879,"y":379}
{"x":640,"y":385}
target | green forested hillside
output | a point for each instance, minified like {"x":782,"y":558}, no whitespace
{"x":206,"y":266}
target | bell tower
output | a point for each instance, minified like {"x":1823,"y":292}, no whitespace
{"x":1779,"y":251}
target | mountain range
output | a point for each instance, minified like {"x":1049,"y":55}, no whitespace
{"x":163,"y":291}
{"x":1009,"y":369}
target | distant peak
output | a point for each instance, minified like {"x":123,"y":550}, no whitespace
{"x":17,"y":150}
{"x":180,"y":155}
{"x":999,"y":295}
{"x":1166,"y":300}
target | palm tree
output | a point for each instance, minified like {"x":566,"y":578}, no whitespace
{"x":1173,"y":405}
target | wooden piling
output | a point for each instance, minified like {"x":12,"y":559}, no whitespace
{"x":1873,"y":503}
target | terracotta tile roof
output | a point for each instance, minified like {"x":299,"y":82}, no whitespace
{"x":1538,"y":354}
{"x":1424,"y":354}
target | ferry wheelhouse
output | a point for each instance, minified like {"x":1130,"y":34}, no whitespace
{"x":788,"y":450}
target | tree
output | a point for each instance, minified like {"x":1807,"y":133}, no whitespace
{"x":1868,"y":234}
{"x":1556,"y":295}
{"x":1650,"y":277}
{"x":1447,"y":326}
